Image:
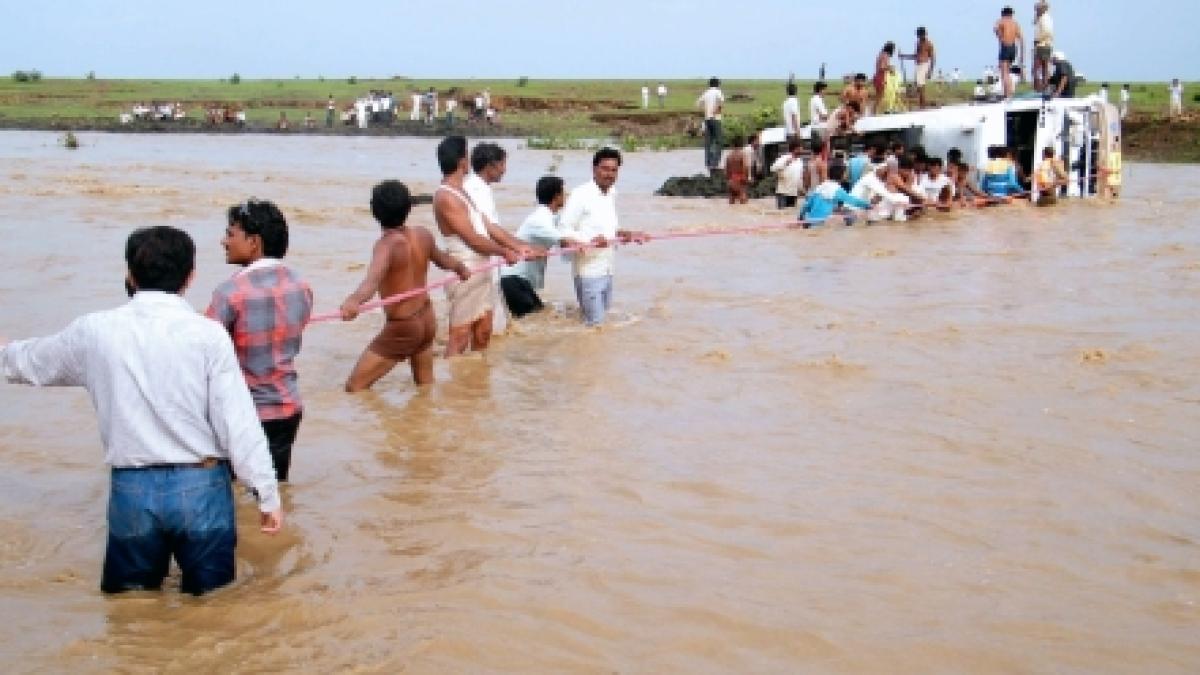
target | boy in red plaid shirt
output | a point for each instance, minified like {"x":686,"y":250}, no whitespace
{"x":265,"y":307}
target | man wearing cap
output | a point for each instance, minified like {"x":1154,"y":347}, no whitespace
{"x":1043,"y":44}
{"x":1062,"y":82}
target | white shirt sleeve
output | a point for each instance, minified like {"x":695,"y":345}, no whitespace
{"x":540,"y":230}
{"x":54,"y":361}
{"x":571,"y":217}
{"x":235,"y":422}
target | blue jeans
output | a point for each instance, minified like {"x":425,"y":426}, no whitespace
{"x":712,"y":144}
{"x":595,"y":297}
{"x":157,"y":512}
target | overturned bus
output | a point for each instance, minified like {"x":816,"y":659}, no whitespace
{"x":1083,"y":132}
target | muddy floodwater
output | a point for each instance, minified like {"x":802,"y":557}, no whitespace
{"x":963,"y":444}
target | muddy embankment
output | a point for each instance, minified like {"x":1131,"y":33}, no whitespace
{"x":1151,"y":138}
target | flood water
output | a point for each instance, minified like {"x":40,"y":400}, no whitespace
{"x":963,"y":444}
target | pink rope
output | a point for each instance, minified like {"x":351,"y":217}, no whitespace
{"x":558,"y":250}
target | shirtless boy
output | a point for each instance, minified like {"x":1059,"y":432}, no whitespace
{"x":1012,"y":48}
{"x":399,"y":262}
{"x":924,"y":57}
{"x":472,"y":238}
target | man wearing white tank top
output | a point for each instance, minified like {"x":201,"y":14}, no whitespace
{"x":471,"y":237}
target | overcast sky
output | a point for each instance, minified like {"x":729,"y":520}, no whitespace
{"x":1105,"y":39}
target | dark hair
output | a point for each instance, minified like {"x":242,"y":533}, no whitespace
{"x":390,"y":204}
{"x":738,"y":141}
{"x":879,"y":148}
{"x":815,"y":145}
{"x":921,"y":31}
{"x":855,"y":106}
{"x":897,"y":145}
{"x":819,"y":86}
{"x":836,"y":172}
{"x":934,"y":161}
{"x":450,"y":152}
{"x":160,"y":258}
{"x":793,"y":144}
{"x":486,"y":154}
{"x":993,"y":151}
{"x":1048,"y":151}
{"x":890,"y":48}
{"x":919,"y":151}
{"x":791,"y":89}
{"x":905,"y":162}
{"x":548,"y":187}
{"x":860,"y":77}
{"x":954,"y":155}
{"x":264,"y":220}
{"x":606,"y":153}
{"x":714,"y":82}
{"x":1007,"y":11}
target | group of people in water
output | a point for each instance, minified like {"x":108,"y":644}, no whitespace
{"x":891,"y":182}
{"x":187,"y":401}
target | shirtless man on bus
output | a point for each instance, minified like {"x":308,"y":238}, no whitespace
{"x":399,"y":262}
{"x":924,"y":57}
{"x":1012,"y":48}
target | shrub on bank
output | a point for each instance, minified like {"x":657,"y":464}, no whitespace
{"x":27,"y":75}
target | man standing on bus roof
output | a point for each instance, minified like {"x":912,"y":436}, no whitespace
{"x":1043,"y":44}
{"x":1012,"y":47}
{"x":924,"y":56}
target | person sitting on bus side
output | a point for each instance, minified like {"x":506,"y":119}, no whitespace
{"x":999,"y":175}
{"x":1049,"y":177}
{"x":1110,"y":172}
{"x":827,"y":197}
{"x":959,"y":173}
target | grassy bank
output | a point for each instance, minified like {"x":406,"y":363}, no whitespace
{"x":558,"y":113}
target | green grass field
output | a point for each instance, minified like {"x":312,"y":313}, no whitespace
{"x":557,"y":112}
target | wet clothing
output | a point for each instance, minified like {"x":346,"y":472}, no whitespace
{"x":156,"y":513}
{"x":520,"y":296}
{"x":1000,"y":178}
{"x":470,"y":299}
{"x":173,"y":409}
{"x":408,"y":336}
{"x":1008,"y":53}
{"x":823,"y":200}
{"x":265,"y":308}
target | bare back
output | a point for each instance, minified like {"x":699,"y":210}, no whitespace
{"x":1008,"y":31}
{"x":408,"y":268}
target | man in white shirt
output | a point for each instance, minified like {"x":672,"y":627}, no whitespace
{"x":489,"y":163}
{"x":955,"y":76}
{"x":818,"y":114}
{"x":791,"y":112}
{"x":789,"y":171}
{"x":645,"y":96}
{"x":712,"y":101}
{"x":414,"y":113}
{"x":885,"y":204}
{"x":1102,"y":93}
{"x":1176,"y":98}
{"x":473,"y":238}
{"x":590,"y":218}
{"x":1043,"y":44}
{"x":662,"y":95}
{"x":1124,"y":101}
{"x":174,"y":415}
{"x":522,"y":281}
